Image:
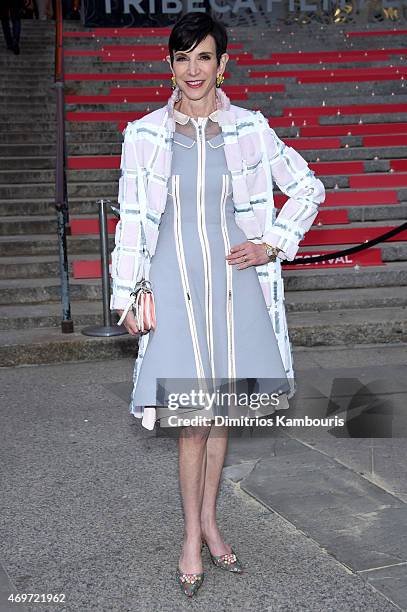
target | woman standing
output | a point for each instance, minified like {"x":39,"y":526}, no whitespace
{"x":196,"y":193}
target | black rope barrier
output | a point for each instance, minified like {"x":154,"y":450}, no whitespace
{"x":360,"y":247}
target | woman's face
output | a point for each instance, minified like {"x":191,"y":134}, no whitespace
{"x":196,"y":71}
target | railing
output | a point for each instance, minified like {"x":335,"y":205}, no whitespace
{"x":61,"y":192}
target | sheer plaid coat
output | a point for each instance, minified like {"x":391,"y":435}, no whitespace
{"x":256,"y":158}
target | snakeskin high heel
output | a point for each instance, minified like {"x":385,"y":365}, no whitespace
{"x":189,"y":583}
{"x":228,"y":561}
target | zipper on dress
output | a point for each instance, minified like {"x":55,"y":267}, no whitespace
{"x":231,"y":368}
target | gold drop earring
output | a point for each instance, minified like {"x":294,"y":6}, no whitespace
{"x":173,"y":82}
{"x":219,"y":80}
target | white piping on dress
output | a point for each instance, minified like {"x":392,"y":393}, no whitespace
{"x":184,"y":276}
{"x":229,"y":284}
{"x":203,"y":238}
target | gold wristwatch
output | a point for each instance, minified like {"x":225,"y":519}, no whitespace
{"x":271,"y":251}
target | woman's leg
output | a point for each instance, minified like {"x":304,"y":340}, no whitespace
{"x":215,"y":456}
{"x":192,"y":466}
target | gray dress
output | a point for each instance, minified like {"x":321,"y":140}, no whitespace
{"x":213,"y":328}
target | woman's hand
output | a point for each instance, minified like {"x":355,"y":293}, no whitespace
{"x":247,"y":254}
{"x":130,"y":322}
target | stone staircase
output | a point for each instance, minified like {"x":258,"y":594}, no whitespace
{"x":327,"y":306}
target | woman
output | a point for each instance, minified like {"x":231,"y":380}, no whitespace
{"x":196,"y":191}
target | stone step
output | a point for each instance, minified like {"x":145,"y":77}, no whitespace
{"x":9,"y":178}
{"x":48,"y":314}
{"x":44,"y":266}
{"x":34,"y":128}
{"x":331,"y":40}
{"x":41,"y":291}
{"x":44,"y":290}
{"x":294,"y":94}
{"x":24,"y":62}
{"x":269,"y":105}
{"x":321,"y":300}
{"x":19,"y":83}
{"x":44,"y":175}
{"x":83,"y":63}
{"x":331,"y":92}
{"x":27,"y":157}
{"x":41,"y":126}
{"x":109,"y":143}
{"x":25,"y":163}
{"x":95,"y":190}
{"x":49,"y":345}
{"x":26,"y":316}
{"x":354,"y":151}
{"x":347,"y":327}
{"x":38,"y":94}
{"x":100,"y":188}
{"x":11,"y":108}
{"x":44,"y":224}
{"x":47,"y":244}
{"x":280,"y":101}
{"x":41,"y":114}
{"x":268,"y":109}
{"x":38,"y":266}
{"x":13,"y":152}
{"x":19,"y":79}
{"x":28,"y":265}
{"x":29,"y":316}
{"x":45,"y":206}
{"x":391,"y":274}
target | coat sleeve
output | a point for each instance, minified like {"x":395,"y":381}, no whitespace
{"x":305,"y":192}
{"x":126,"y":255}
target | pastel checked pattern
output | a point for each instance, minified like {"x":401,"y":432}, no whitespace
{"x":257,"y":158}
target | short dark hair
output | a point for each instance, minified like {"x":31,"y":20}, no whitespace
{"x":192,"y":28}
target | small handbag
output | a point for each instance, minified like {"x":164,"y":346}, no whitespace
{"x":142,"y":299}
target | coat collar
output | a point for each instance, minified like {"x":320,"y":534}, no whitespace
{"x":224,"y":115}
{"x":182,"y":118}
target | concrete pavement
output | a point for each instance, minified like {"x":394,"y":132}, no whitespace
{"x":91,"y":507}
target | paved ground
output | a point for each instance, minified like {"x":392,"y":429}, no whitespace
{"x":91,"y":508}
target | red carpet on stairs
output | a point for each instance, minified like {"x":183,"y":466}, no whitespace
{"x":120,"y":33}
{"x":354,"y":109}
{"x":327,"y":57}
{"x":92,"y":116}
{"x":380,"y":181}
{"x":391,"y":140}
{"x":326,"y":72}
{"x":312,"y":133}
{"x":377,"y":33}
{"x":354,"y":129}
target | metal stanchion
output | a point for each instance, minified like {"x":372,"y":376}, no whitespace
{"x":107,"y":329}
